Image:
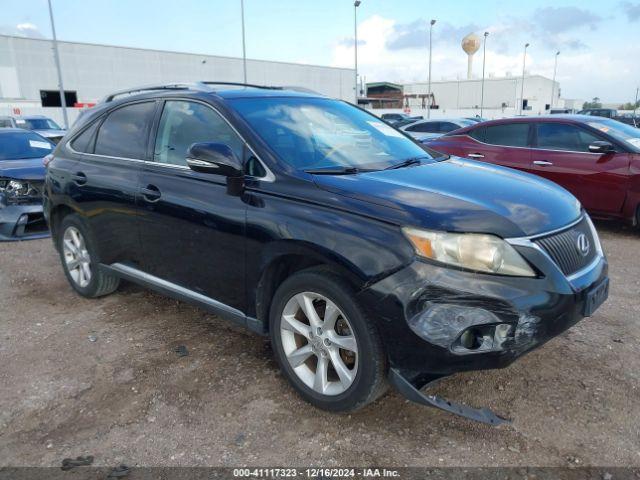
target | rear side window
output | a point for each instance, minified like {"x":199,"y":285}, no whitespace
{"x":85,"y":141}
{"x":446,"y":127}
{"x":184,"y":123}
{"x":5,"y":123}
{"x":508,"y":135}
{"x":429,"y":127}
{"x":124,"y":132}
{"x":561,"y":136}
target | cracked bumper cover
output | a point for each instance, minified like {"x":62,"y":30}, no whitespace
{"x":17,"y":222}
{"x":423,"y":310}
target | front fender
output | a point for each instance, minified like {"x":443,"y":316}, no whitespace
{"x":364,"y":249}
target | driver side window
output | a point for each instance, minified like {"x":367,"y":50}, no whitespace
{"x":184,"y":123}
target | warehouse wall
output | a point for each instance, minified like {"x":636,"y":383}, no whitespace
{"x":27,"y":66}
{"x":466,"y":94}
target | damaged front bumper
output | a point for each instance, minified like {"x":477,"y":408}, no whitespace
{"x":22,"y":222}
{"x":437,"y":321}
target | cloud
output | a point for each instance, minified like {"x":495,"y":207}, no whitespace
{"x":396,"y":52}
{"x":631,"y":10}
{"x":416,"y":34}
{"x":26,"y":29}
{"x":348,"y":42}
{"x":555,"y":20}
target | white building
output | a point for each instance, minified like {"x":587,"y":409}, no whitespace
{"x":28,"y":78}
{"x":502,"y":96}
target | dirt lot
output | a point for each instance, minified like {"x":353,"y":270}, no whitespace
{"x":128,"y":397}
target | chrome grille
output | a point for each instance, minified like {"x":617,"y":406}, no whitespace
{"x":566,"y":248}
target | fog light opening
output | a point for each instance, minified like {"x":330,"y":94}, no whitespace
{"x":471,"y":339}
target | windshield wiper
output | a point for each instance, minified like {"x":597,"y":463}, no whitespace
{"x":407,"y":163}
{"x":335,"y":171}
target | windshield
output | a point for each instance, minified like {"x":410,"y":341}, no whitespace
{"x":16,"y":145}
{"x":317,"y":133}
{"x":620,"y":131}
{"x":37,"y":124}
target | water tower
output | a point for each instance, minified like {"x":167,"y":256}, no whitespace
{"x":470,"y":44}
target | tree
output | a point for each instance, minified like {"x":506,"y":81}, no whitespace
{"x":629,"y":106}
{"x":595,"y":103}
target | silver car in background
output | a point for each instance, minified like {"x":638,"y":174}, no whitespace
{"x":40,"y":124}
{"x":427,"y":129}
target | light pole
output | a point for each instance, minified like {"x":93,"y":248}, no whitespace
{"x":484,"y":58}
{"x":56,"y":56}
{"x":553,"y":84}
{"x":244,"y":51}
{"x":635,"y":109}
{"x":430,"y":95}
{"x":524,"y":62}
{"x":356,"y":4}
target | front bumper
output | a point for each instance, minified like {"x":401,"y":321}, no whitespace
{"x":22,"y":222}
{"x":447,"y":302}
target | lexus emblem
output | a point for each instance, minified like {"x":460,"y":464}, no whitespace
{"x":583,"y":245}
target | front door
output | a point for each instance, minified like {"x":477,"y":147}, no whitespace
{"x":562,"y":155}
{"x":192,"y":231}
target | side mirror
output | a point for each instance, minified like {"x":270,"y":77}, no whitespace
{"x":210,"y":157}
{"x":601,"y":147}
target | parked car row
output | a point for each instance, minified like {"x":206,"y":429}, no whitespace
{"x":38,"y":123}
{"x":629,"y":119}
{"x":364,"y":255}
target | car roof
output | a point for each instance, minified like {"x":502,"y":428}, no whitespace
{"x":17,"y":130}
{"x":562,"y":118}
{"x":32,"y":117}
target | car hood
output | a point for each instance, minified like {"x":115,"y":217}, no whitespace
{"x":463,"y":196}
{"x":23,"y":169}
{"x":51,"y":133}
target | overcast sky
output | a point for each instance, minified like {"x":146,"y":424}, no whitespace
{"x":599,"y":40}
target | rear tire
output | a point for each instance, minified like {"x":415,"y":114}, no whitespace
{"x":335,"y":359}
{"x":80,"y":261}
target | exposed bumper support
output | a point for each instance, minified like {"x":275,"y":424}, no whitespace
{"x":411,"y":390}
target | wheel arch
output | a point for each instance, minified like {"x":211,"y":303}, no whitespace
{"x":56,"y":215}
{"x":283,"y":259}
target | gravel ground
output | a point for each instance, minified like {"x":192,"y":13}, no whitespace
{"x":101,"y":377}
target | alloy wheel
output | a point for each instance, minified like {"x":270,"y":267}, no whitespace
{"x":76,"y":257}
{"x":319,"y":343}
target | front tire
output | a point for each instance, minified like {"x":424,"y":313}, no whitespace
{"x":80,"y":261}
{"x":326,"y":346}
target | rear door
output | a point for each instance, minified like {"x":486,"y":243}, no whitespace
{"x":192,"y":230}
{"x":505,"y":144}
{"x":105,"y":179}
{"x":561,"y":154}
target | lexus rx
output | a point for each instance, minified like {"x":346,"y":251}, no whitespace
{"x":363,"y":255}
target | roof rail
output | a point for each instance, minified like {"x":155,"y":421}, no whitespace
{"x":205,"y":86}
{"x":240,"y":84}
{"x":201,"y":86}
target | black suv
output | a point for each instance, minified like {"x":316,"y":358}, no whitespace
{"x":362,"y":254}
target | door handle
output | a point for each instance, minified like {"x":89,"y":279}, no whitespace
{"x":475,"y":155}
{"x":542,"y":163}
{"x":151,"y":193}
{"x":79,"y":178}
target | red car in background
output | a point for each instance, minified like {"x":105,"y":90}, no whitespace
{"x":596,"y":159}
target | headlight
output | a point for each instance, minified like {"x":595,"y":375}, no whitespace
{"x":483,"y":253}
{"x":16,"y":189}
